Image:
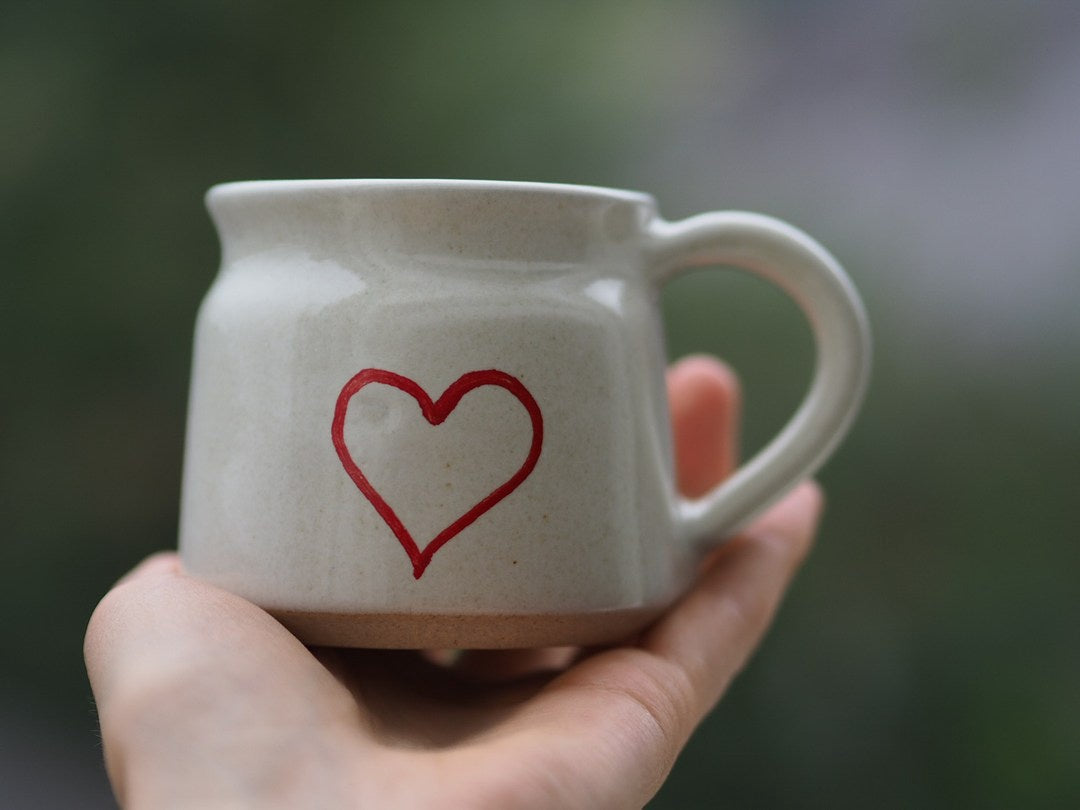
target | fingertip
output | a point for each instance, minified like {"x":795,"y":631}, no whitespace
{"x":157,"y":616}
{"x":808,"y":500}
{"x":793,"y":520}
{"x":161,"y":562}
{"x":704,"y":398}
{"x":502,"y":666}
{"x":705,"y":375}
{"x":815,"y":493}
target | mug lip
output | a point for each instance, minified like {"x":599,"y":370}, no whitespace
{"x":280,"y":188}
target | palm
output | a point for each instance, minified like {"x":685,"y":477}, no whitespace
{"x":594,"y":734}
{"x":584,"y":736}
{"x":204,"y":699}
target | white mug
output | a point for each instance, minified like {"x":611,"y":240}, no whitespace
{"x":431,"y":413}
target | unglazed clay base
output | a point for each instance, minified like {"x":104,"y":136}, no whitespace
{"x":427,"y":631}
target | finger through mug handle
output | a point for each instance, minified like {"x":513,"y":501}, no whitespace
{"x":796,"y":263}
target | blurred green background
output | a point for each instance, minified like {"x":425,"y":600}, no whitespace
{"x":929,"y":654}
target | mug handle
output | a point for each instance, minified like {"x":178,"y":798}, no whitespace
{"x":796,"y":263}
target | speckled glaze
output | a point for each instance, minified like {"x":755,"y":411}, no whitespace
{"x":553,"y":286}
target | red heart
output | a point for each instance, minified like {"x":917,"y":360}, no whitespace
{"x":435,"y":413}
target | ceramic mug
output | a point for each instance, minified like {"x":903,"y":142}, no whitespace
{"x":433,"y":413}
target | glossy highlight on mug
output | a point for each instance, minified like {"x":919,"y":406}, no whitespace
{"x":435,"y":412}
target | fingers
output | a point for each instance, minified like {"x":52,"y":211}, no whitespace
{"x":710,"y":634}
{"x":713,"y":630}
{"x":509,"y":665}
{"x":163,"y":562}
{"x":653,"y":696}
{"x":630,"y":710}
{"x":192,"y":683}
{"x":704,"y":399}
{"x":159,"y":622}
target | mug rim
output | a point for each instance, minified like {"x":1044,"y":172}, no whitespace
{"x":275,"y":188}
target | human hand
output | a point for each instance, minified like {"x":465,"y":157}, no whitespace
{"x":205,"y":701}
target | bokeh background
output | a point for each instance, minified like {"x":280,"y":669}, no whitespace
{"x":929,"y":654}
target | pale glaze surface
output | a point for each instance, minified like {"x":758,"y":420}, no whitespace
{"x":432,"y":280}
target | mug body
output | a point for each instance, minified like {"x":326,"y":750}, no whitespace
{"x":433,"y":414}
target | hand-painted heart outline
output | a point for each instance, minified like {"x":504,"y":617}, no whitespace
{"x":436,"y":413}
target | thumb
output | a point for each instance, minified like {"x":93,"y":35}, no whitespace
{"x":200,"y":692}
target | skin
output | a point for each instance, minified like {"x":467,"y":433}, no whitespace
{"x":206,"y":702}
